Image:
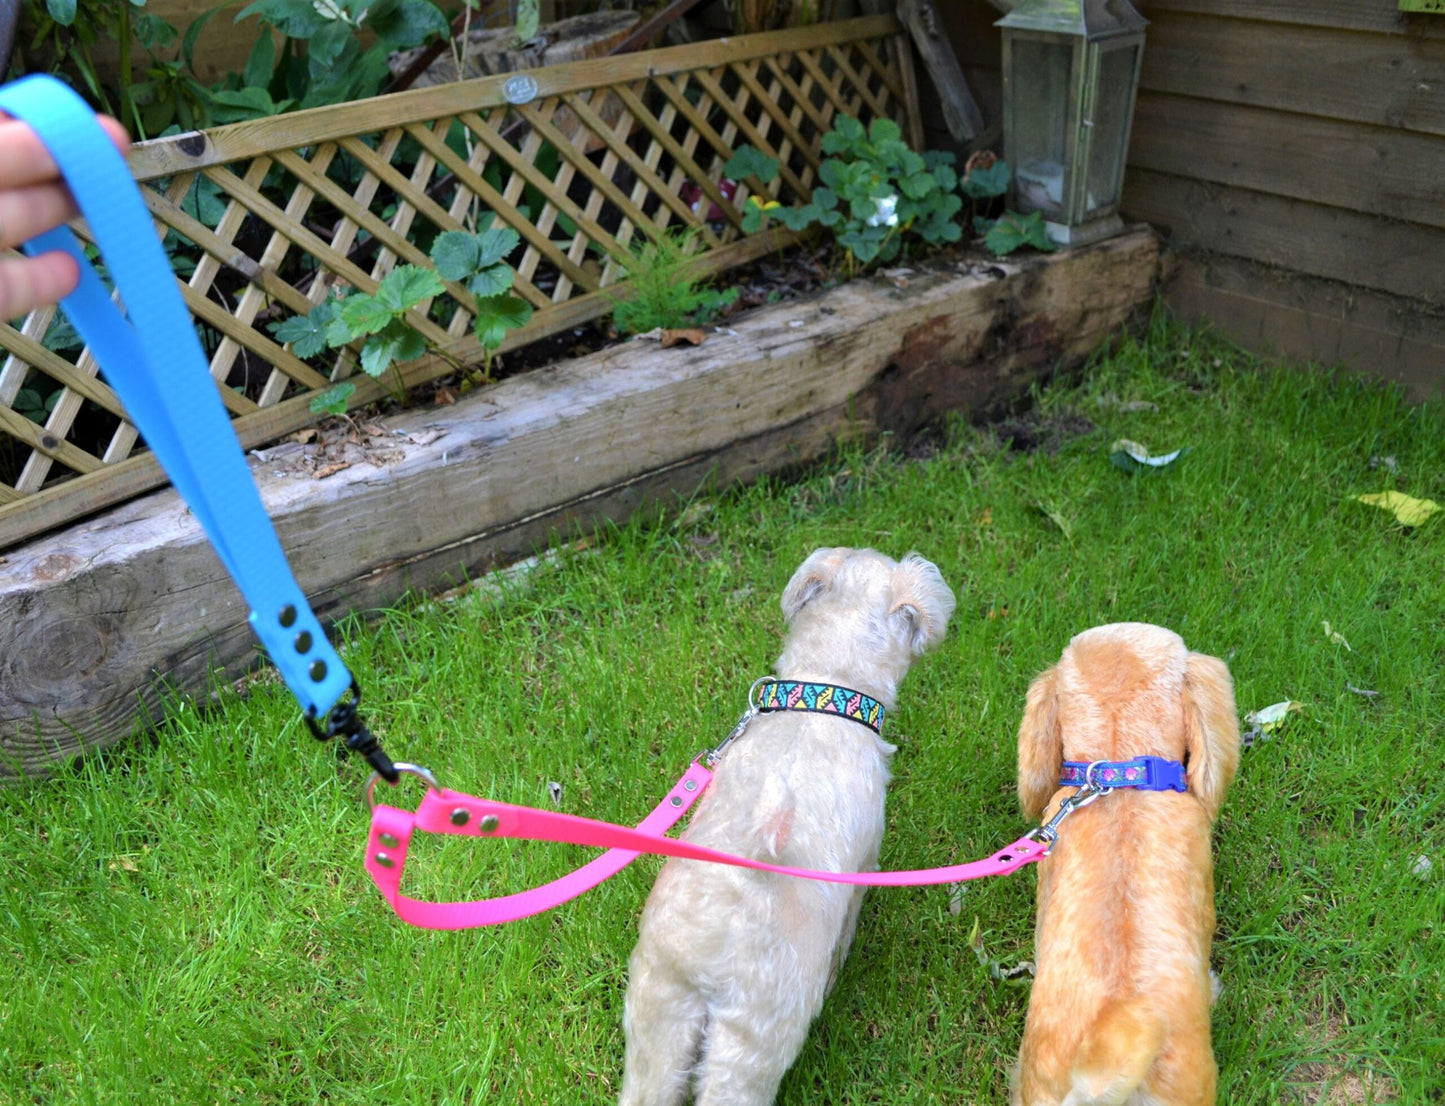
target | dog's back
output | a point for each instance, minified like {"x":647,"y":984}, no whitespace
{"x":1120,"y":1008}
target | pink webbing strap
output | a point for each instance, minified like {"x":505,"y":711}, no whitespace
{"x":443,"y":811}
{"x":391,"y":831}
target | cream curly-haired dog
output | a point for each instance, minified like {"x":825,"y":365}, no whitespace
{"x":1120,"y":1006}
{"x":732,"y":965}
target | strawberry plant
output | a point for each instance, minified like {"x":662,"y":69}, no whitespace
{"x":379,"y":321}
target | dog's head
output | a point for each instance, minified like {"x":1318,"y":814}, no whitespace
{"x":1126,"y":690}
{"x":856,"y":607}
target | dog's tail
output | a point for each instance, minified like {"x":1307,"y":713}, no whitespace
{"x":1116,"y":1053}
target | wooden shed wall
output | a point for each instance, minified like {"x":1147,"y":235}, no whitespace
{"x":1292,"y":153}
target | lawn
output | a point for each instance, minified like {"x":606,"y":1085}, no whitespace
{"x":186,"y":919}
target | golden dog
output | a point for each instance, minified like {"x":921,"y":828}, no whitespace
{"x":1120,"y":1005}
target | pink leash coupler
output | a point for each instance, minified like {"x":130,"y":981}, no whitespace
{"x":451,"y":812}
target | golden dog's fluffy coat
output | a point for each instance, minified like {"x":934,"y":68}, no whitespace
{"x":732,"y":965}
{"x":1120,"y":1006}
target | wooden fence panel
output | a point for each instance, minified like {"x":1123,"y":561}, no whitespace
{"x":586,"y":161}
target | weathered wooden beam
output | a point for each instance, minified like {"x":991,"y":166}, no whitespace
{"x":94,"y":619}
{"x":960,"y":110}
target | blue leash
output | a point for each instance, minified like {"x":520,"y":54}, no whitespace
{"x":154,"y":362}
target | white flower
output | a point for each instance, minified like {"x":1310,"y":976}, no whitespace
{"x":885,"y":213}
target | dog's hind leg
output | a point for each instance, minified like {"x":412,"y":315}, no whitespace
{"x":663,"y":1021}
{"x":745,"y":1058}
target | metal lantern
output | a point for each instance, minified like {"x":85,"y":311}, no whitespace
{"x":1070,"y":71}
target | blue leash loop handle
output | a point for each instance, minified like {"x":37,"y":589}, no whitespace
{"x":155,"y":364}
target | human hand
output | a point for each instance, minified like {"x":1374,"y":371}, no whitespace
{"x":33,"y":200}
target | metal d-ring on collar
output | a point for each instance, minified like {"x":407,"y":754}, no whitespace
{"x":710,"y":757}
{"x":1047,"y":834}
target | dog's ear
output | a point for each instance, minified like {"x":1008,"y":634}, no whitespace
{"x":1041,"y":745}
{"x":814,"y":576}
{"x":919,"y":604}
{"x":1211,"y":729}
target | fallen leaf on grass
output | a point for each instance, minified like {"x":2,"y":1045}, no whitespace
{"x":1133,"y":457}
{"x":1265,"y":721}
{"x":1022,"y":972}
{"x":1366,"y":692}
{"x":1057,"y":518}
{"x":1408,"y":510}
{"x":1128,"y":406}
{"x":1334,"y":635}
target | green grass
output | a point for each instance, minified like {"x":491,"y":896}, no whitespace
{"x":186,"y":920}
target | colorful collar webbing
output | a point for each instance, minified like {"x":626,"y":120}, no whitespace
{"x":1140,"y":773}
{"x":822,"y":698}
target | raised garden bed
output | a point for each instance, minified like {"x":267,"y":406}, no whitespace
{"x":95,"y":619}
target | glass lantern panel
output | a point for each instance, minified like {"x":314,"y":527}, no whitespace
{"x":1113,"y":101}
{"x":1041,"y":88}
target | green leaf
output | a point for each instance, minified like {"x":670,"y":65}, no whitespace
{"x":362,"y":314}
{"x":241,"y":104}
{"x":292,"y":19}
{"x":260,"y":64}
{"x":333,"y":400}
{"x":496,"y":315}
{"x":400,"y":26}
{"x":847,"y":133}
{"x":527,"y":20}
{"x":993,"y":181}
{"x":154,"y":32}
{"x":1013,"y":231}
{"x":799,"y":218}
{"x":883,"y":130}
{"x":62,"y":11}
{"x":193,"y":32}
{"x":308,"y":333}
{"x":491,"y":282}
{"x":918,"y":185}
{"x":495,"y":244}
{"x":751,"y":162}
{"x":406,"y":286}
{"x":395,"y":342}
{"x":455,"y":254}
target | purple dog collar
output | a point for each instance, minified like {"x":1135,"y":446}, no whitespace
{"x":1140,"y":773}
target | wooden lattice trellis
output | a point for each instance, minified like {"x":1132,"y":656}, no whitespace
{"x":585,"y":161}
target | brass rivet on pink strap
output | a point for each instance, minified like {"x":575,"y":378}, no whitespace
{"x":461,"y":816}
{"x":489,"y":823}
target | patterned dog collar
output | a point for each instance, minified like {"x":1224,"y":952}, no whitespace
{"x":1140,"y":773}
{"x":822,"y":698}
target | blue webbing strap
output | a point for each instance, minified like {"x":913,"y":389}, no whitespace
{"x":155,"y":364}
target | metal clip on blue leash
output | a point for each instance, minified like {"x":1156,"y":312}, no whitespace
{"x":153,"y":360}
